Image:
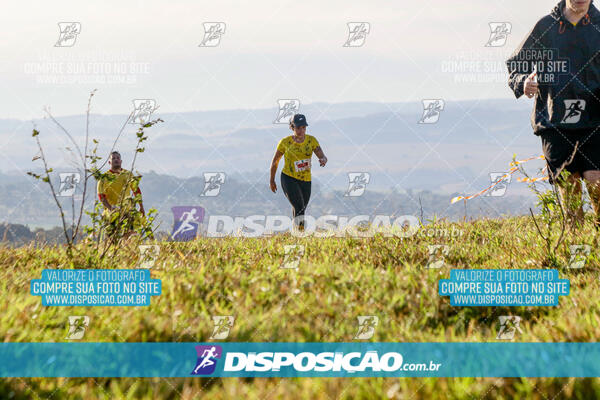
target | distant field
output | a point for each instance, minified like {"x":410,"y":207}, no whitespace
{"x":337,"y":280}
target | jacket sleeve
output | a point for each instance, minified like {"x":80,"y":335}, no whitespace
{"x":519,"y":66}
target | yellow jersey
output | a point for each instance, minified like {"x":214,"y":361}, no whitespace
{"x":297,"y":156}
{"x":113,"y":188}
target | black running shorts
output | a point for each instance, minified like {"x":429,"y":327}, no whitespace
{"x":559,"y":145}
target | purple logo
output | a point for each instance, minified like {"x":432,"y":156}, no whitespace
{"x":207,"y":359}
{"x":186,"y":222}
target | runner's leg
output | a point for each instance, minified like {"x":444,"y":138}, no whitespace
{"x":560,"y":152}
{"x":305,"y":188}
{"x":292,"y":191}
{"x":592,"y":181}
{"x":570,"y":195}
{"x":591,"y":170}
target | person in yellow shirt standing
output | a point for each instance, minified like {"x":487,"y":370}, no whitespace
{"x":297,"y":151}
{"x":115,"y":192}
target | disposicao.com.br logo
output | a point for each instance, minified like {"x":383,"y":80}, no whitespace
{"x":304,"y":363}
{"x":323,"y":226}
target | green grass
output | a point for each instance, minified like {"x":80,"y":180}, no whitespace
{"x":337,"y":280}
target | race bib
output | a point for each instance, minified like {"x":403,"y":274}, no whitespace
{"x":302,"y":165}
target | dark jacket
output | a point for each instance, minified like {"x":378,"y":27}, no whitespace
{"x":567,"y":60}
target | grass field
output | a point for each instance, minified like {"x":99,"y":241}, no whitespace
{"x":337,"y":280}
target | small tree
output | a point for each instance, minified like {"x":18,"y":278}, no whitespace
{"x":87,"y":166}
{"x":109,"y":229}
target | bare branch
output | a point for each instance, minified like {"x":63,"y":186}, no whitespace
{"x":46,"y":169}
{"x":85,"y":174}
{"x":65,"y":131}
{"x":117,"y":139}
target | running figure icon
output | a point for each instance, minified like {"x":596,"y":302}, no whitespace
{"x":207,"y":361}
{"x":187,"y":219}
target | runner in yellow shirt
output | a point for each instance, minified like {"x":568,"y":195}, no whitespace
{"x":115,"y":193}
{"x":297,"y":150}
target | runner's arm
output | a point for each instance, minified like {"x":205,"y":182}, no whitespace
{"x":274,"y":164}
{"x":104,"y":201}
{"x":102,"y":195}
{"x":137,"y":192}
{"x":519,"y":65}
{"x":322,"y":159}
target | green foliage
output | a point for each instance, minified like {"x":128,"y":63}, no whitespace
{"x":337,"y":280}
{"x":561,"y":211}
{"x":109,"y":228}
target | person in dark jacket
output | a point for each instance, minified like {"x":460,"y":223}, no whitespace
{"x":558,"y":63}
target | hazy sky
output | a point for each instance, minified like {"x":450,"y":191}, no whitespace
{"x":270,"y":50}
